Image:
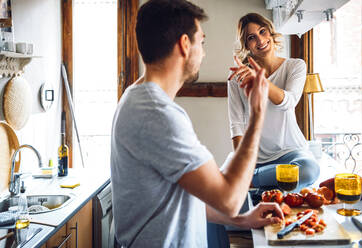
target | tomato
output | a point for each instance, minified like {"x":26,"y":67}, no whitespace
{"x":318,"y":228}
{"x":314,"y":200}
{"x":310,"y":231}
{"x":294,"y":199}
{"x":286,"y":209}
{"x":274,"y":195}
{"x":288,"y":222}
{"x":305,"y":191}
{"x":303,"y":227}
{"x":321,"y":222}
{"x":308,"y":211}
{"x":327,"y":193}
{"x":328,"y":183}
{"x":313,"y":224}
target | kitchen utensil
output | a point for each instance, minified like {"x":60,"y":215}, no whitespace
{"x":17,"y":102}
{"x":333,"y":234}
{"x":357,"y":221}
{"x":295,"y":224}
{"x":70,"y":104}
{"x":8,"y":144}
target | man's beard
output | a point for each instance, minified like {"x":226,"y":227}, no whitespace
{"x":192,"y":78}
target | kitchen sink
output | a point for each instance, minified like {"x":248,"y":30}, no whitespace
{"x":38,"y":204}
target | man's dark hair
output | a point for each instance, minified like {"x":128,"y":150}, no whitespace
{"x":161,"y":23}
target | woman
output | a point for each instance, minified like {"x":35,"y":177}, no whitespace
{"x":281,"y":142}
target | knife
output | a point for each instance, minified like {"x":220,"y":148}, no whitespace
{"x":357,"y":222}
{"x":289,"y":228}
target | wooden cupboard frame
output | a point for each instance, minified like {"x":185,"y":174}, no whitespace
{"x":67,"y":58}
{"x":303,"y":48}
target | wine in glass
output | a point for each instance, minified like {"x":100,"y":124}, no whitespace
{"x":348,"y":190}
{"x":287,"y":176}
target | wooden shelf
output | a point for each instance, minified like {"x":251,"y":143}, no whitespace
{"x":17,"y":55}
{"x":11,"y":63}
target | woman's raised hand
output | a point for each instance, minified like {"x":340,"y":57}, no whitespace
{"x":241,"y":71}
{"x":254,"y":83}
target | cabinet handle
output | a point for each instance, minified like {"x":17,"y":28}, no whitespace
{"x":76,"y":234}
{"x":64,"y":240}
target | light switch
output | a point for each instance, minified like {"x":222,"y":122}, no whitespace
{"x":47,"y":96}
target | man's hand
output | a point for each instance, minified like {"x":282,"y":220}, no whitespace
{"x":256,"y":89}
{"x":259,"y":216}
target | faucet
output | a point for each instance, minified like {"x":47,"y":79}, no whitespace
{"x":14,"y":186}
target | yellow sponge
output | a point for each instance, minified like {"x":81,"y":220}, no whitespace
{"x":47,"y":170}
{"x":44,"y":172}
{"x":71,"y":184}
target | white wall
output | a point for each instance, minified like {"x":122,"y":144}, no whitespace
{"x":220,"y":31}
{"x":39,"y":22}
{"x":209,"y":115}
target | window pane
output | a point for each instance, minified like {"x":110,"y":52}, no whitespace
{"x":95,"y":78}
{"x":338,"y":110}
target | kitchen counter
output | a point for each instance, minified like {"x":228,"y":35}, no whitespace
{"x":91,"y":182}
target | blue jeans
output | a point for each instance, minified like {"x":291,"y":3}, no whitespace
{"x":217,"y":236}
{"x":264,"y":174}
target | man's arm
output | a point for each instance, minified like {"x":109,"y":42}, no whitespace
{"x":236,"y":141}
{"x":227,"y":192}
{"x":255,"y":218}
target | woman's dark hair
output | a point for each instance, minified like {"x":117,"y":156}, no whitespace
{"x":161,"y":23}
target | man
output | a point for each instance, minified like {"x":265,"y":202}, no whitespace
{"x":165,"y":184}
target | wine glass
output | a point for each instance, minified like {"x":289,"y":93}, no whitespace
{"x":348,"y":190}
{"x":287,"y":176}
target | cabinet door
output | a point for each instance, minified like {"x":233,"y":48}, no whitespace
{"x":57,"y":239}
{"x":80,"y":226}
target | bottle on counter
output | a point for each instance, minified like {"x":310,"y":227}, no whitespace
{"x":22,"y":220}
{"x":63,"y":151}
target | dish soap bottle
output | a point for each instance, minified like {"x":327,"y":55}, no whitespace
{"x":23,"y":214}
{"x":63,"y":151}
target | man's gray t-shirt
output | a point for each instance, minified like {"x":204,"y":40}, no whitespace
{"x":152,"y":145}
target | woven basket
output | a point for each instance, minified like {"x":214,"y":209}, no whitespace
{"x":8,"y":144}
{"x":17,"y":102}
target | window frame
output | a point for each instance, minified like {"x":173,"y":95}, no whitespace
{"x":67,"y":58}
{"x":303,"y":48}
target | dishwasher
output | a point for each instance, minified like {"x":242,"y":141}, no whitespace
{"x":103,"y":234}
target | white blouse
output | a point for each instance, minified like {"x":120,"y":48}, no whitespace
{"x":281,"y":133}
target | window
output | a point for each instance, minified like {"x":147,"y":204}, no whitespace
{"x":94,"y":78}
{"x":338,"y":110}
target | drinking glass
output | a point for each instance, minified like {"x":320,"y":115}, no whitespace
{"x":348,"y":190}
{"x":287,"y":176}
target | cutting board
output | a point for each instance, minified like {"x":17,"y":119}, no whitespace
{"x":8,"y":144}
{"x":333,"y":234}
